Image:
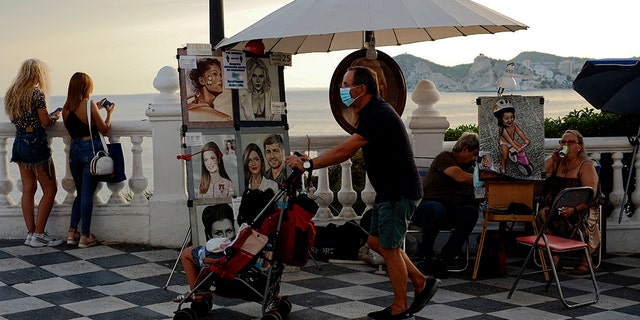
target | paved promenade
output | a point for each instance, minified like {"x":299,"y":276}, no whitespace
{"x":126,"y":282}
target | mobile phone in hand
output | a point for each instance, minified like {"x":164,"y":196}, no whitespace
{"x":55,"y":111}
{"x":106,"y":103}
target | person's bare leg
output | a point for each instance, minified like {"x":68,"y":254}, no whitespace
{"x":397,"y":271}
{"x":417,"y":278}
{"x":29,"y":188}
{"x":189,"y":266}
{"x":46,"y":175}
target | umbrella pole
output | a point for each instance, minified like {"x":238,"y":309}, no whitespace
{"x":634,"y":142}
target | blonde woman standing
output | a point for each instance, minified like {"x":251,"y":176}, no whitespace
{"x":26,"y":106}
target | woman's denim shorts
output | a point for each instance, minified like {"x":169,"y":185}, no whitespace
{"x":31,"y":147}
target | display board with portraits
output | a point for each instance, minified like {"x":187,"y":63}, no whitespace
{"x":511,"y":132}
{"x":234,"y":132}
{"x":230,"y":89}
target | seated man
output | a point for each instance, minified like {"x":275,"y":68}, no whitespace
{"x":447,"y":203}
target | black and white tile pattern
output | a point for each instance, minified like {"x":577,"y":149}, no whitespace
{"x":126,"y":282}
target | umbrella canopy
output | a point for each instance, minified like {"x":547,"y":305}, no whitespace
{"x":304,"y":26}
{"x":610,"y":84}
{"x":613,"y":85}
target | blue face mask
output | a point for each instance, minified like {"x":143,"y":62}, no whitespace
{"x":345,"y":96}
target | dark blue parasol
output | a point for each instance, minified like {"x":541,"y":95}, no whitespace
{"x":610,"y":84}
{"x":613,"y":85}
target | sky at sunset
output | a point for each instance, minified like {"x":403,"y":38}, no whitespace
{"x":123,"y":43}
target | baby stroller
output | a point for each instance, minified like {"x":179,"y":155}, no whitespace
{"x":252,"y":266}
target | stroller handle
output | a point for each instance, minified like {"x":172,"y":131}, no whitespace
{"x":293,"y":180}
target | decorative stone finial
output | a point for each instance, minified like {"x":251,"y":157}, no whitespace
{"x":167,"y":83}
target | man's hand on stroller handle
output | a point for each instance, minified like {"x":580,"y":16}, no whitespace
{"x":296,"y":161}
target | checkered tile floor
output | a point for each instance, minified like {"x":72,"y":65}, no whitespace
{"x":126,"y":282}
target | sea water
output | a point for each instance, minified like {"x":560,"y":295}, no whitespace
{"x":308,"y":110}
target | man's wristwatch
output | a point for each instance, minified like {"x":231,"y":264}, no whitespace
{"x":308,"y":165}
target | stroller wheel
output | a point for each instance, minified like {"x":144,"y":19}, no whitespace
{"x":185,"y":314}
{"x":202,"y":308}
{"x":271,"y":316}
{"x":284,"y":307}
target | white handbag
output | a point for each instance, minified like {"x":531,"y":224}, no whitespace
{"x":101,"y":164}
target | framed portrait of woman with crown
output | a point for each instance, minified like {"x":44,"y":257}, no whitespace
{"x":511,"y":131}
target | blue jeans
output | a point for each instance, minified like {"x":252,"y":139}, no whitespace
{"x":80,"y":155}
{"x":433,"y":216}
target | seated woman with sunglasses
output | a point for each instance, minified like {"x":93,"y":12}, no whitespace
{"x":568,"y":167}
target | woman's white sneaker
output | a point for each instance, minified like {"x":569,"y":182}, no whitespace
{"x":27,"y":241}
{"x":44,"y":240}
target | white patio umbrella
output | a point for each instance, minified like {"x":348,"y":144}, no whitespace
{"x":304,"y":26}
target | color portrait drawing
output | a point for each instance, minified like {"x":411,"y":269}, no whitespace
{"x":207,"y":82}
{"x":214,"y":180}
{"x":508,"y":133}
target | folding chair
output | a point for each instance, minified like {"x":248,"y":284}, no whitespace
{"x":550,"y":244}
{"x":600,"y":200}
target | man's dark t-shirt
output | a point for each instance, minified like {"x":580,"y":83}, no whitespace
{"x":438,"y":186}
{"x":388,"y":155}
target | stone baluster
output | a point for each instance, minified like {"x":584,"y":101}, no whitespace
{"x":635,"y":196}
{"x":368,"y":194}
{"x":6,"y":183}
{"x":137,"y":182}
{"x":617,"y":192}
{"x":324,"y":197}
{"x":347,"y":196}
{"x":97,"y":199}
{"x":116,"y":188}
{"x":67,"y":183}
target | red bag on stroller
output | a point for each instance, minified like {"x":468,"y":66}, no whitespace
{"x":297,"y":232}
{"x":241,"y":251}
{"x":297,"y":235}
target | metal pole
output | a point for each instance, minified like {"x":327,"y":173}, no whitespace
{"x":216,"y":21}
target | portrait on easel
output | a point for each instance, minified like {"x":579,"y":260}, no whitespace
{"x":511,"y":131}
{"x":215,"y":220}
{"x":262,"y":101}
{"x":263,"y":158}
{"x":214,"y":167}
{"x":205,"y":102}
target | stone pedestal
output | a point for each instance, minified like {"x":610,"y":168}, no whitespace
{"x":426,"y":124}
{"x":168,"y":213}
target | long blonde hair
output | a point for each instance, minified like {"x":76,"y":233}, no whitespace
{"x":80,"y":87}
{"x":33,"y":74}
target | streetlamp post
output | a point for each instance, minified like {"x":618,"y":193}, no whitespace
{"x":216,"y":21}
